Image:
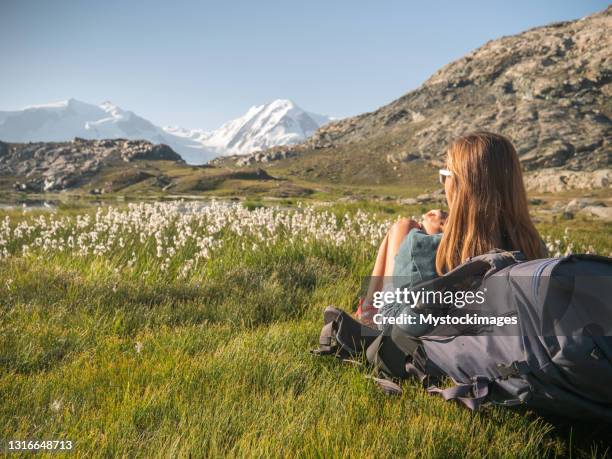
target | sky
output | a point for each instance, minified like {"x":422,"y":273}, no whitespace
{"x":197,"y":64}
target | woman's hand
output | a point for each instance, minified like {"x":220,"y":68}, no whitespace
{"x":434,"y":220}
{"x":403,"y":226}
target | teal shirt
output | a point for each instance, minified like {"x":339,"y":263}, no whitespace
{"x":415,"y":262}
{"x":416,"y":258}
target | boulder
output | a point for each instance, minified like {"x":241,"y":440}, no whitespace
{"x":599,"y":212}
{"x":156,"y":153}
{"x":554,"y":180}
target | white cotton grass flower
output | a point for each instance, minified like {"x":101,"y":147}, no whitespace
{"x":56,"y":405}
{"x":175,"y":238}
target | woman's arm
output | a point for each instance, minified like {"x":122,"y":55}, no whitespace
{"x":397,"y":233}
{"x":385,"y":259}
{"x":379,"y":268}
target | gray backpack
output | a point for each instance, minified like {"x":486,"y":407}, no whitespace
{"x":556,"y":359}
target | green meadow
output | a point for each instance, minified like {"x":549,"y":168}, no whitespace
{"x":160,"y":331}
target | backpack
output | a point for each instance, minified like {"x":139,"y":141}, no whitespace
{"x":555,"y":359}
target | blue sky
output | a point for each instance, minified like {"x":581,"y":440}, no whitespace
{"x":200,"y":63}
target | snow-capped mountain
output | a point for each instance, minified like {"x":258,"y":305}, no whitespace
{"x":278,"y":123}
{"x":61,"y":121}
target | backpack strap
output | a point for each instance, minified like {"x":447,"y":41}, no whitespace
{"x":342,"y":335}
{"x":387,"y":385}
{"x":476,"y":392}
{"x":472,"y":395}
{"x":390,"y":352}
{"x":326,"y":346}
{"x":499,"y":259}
{"x":397,"y":355}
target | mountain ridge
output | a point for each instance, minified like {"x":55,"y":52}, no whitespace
{"x":64,"y":120}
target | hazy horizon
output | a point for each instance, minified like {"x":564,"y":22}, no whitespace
{"x":197,"y":65}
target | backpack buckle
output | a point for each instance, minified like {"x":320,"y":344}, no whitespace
{"x":516,"y":368}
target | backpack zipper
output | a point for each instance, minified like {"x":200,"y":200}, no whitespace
{"x":535,"y":284}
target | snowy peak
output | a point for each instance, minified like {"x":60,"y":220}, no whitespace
{"x":280,"y":122}
{"x":111,"y":108}
{"x":50,"y":105}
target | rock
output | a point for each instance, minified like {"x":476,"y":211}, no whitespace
{"x":162,"y":181}
{"x":437,"y":196}
{"x":50,"y":184}
{"x":558,"y":206}
{"x":402,"y":157}
{"x":155,"y":153}
{"x":246,"y":161}
{"x":54,"y":166}
{"x":273,"y":154}
{"x":408,"y":202}
{"x":580,"y":203}
{"x":19,"y":186}
{"x":257,"y":174}
{"x":554,"y":154}
{"x":556,"y":180}
{"x":600,"y":212}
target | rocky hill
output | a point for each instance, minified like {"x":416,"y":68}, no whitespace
{"x":135,"y":168}
{"x":548,"y":89}
{"x":53,"y":166}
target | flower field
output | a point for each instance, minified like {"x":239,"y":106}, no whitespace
{"x":182,"y":329}
{"x":177,"y":238}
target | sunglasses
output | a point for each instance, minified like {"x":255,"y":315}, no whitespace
{"x":443,"y":174}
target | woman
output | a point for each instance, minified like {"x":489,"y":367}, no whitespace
{"x":487,"y":209}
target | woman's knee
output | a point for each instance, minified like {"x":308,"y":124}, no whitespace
{"x":401,"y":227}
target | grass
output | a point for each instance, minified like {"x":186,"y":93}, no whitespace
{"x":142,"y":362}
